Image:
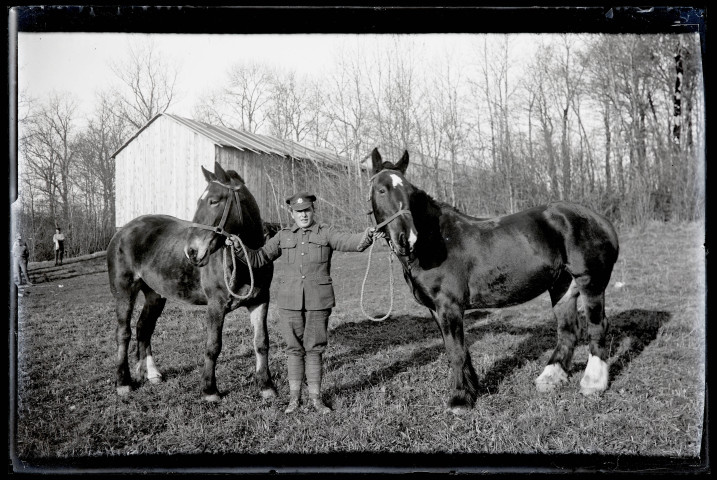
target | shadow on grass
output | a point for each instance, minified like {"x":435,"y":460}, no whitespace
{"x":629,"y":333}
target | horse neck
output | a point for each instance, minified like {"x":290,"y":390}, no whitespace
{"x":427,"y":216}
{"x":252,"y":231}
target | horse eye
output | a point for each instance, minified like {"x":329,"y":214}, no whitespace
{"x":382,"y":190}
{"x":213,"y":202}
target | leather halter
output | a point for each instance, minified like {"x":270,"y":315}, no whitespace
{"x":219,"y":229}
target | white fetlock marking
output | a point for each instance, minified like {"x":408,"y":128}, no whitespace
{"x":552,"y":376}
{"x":212,"y":398}
{"x":123,"y":390}
{"x":153,"y":374}
{"x":595,"y":378}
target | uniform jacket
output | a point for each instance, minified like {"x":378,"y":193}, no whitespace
{"x":20,"y":249}
{"x":307,"y":253}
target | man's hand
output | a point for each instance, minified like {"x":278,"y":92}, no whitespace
{"x":233,"y":240}
{"x":369,"y":236}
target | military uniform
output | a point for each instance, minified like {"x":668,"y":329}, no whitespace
{"x":305,"y":293}
{"x":22,"y":255}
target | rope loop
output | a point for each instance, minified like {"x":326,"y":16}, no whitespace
{"x":363,"y":286}
{"x":231,"y":282}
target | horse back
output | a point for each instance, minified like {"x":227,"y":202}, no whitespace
{"x":150,"y":249}
{"x":511,"y":259}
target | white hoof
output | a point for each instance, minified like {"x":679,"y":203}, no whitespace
{"x":595,"y":378}
{"x":268,"y":393}
{"x":212,"y":398}
{"x":459,"y":411}
{"x":553,"y":376}
{"x":151,"y":372}
{"x":123,"y":391}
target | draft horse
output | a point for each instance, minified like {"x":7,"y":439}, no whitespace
{"x":165,"y":257}
{"x":453,"y":262}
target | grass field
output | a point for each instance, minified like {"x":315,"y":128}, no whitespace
{"x":387,"y":382}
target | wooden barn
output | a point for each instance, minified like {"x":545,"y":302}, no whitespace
{"x":157,"y":171}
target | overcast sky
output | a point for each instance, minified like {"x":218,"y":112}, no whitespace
{"x":79,"y":63}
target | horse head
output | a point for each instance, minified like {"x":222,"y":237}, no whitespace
{"x":220,"y":211}
{"x":391,"y":197}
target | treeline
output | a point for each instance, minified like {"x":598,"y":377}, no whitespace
{"x":615,"y":122}
{"x":612,"y":121}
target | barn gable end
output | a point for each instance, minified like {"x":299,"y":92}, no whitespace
{"x":158,"y":171}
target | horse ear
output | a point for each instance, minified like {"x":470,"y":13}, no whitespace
{"x":208,"y":175}
{"x":402,"y":164}
{"x":220,"y":173}
{"x":376,"y":161}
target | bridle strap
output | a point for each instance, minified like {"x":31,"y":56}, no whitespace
{"x":225,"y":214}
{"x":392,"y":218}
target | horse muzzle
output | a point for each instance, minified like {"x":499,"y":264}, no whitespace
{"x":198,"y":257}
{"x":401,"y":246}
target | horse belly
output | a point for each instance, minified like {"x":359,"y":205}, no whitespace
{"x":182,"y":285}
{"x":505,"y":288}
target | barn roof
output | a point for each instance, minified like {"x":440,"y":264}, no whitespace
{"x":229,"y":137}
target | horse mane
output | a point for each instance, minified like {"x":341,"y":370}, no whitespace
{"x":253,"y":233}
{"x":426,"y":213}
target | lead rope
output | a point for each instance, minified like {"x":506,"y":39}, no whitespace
{"x":363,"y":286}
{"x":230,"y":283}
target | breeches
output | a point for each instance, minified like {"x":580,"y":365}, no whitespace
{"x":305,"y":331}
{"x":21,"y":269}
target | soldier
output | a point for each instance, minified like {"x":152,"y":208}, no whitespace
{"x":306,"y":295}
{"x":22,"y":255}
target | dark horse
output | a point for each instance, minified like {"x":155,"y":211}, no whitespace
{"x":165,"y":257}
{"x":453,"y":262}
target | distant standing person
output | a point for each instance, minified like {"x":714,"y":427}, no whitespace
{"x":21,"y":254}
{"x":59,"y":239}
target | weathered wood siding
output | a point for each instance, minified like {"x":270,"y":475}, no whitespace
{"x":159,"y":172}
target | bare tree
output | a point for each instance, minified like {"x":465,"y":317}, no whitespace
{"x":147,"y":83}
{"x":291,"y":116}
{"x":104,"y":134}
{"x":248,"y":93}
{"x":49,"y":153}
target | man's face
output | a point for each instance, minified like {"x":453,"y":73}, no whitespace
{"x":303,"y":218}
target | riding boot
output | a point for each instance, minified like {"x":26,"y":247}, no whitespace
{"x":295,"y":367}
{"x":313,"y":378}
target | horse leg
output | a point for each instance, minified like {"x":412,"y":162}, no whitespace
{"x":257,"y":314}
{"x":214,"y":323}
{"x":464,"y":378}
{"x":125,"y":298}
{"x":595,"y":378}
{"x":153,"y":306}
{"x":563,"y":296}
